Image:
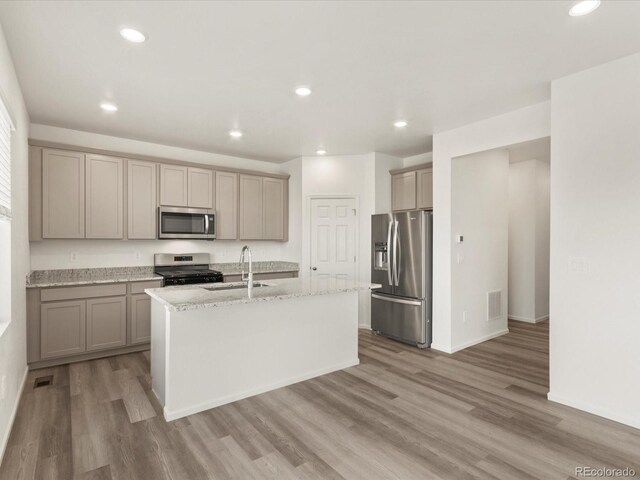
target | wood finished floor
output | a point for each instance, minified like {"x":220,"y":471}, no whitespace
{"x":402,"y":414}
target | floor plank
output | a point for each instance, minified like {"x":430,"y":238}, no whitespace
{"x":403,"y":413}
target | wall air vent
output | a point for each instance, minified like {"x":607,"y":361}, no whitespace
{"x":494,"y":305}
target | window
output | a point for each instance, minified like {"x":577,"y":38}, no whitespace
{"x":5,"y":217}
{"x":5,"y":162}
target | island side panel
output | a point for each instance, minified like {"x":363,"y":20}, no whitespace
{"x":159,"y":332}
{"x":222,"y":354}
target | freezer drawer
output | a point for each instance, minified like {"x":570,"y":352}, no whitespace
{"x":400,"y":318}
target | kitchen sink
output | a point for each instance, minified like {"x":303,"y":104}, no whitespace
{"x":236,"y":287}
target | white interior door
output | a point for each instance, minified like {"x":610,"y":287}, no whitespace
{"x":333,"y":237}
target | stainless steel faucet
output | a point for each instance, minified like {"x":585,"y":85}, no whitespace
{"x":246,"y":253}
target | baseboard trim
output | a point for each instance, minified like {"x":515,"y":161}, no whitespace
{"x":12,"y":418}
{"x":476,"y":341}
{"x":594,"y":410}
{"x":364,"y":326}
{"x":529,"y":320}
{"x":170,"y":415}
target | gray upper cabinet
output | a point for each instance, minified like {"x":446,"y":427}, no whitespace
{"x":424,"y":182}
{"x":94,"y":196}
{"x":104,"y":190}
{"x":274,"y":205}
{"x":174,"y":185}
{"x":403,"y":189}
{"x":141,"y":200}
{"x":200,"y":187}
{"x":106,"y":323}
{"x":62,"y":328}
{"x":412,"y":188}
{"x":63,"y":185}
{"x":226,"y":205}
{"x":251,"y":212}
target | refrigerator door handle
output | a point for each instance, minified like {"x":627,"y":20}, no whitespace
{"x":395,"y":254}
{"x":399,"y":255}
{"x":389,"y":255}
{"x":415,"y":303}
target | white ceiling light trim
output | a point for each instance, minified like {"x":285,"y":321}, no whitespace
{"x":235,"y":133}
{"x":400,"y":124}
{"x":132,"y":35}
{"x":583,"y":7}
{"x":321,"y":152}
{"x":108,"y":107}
{"x":303,"y":91}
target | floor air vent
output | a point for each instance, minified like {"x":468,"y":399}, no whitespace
{"x":494,"y":305}
{"x":43,"y":381}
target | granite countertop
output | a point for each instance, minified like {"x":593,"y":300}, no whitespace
{"x":89,"y":276}
{"x":92,"y":276}
{"x":190,"y":297}
{"x":258,"y":267}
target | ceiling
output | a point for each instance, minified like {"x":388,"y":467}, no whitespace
{"x":208,"y":67}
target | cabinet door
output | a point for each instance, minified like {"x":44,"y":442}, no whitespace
{"x":106,"y":323}
{"x":104,"y":190}
{"x":174,"y":185}
{"x":62,"y":194}
{"x":200,"y":187}
{"x":251,"y":202}
{"x":62,"y":328}
{"x":226,"y":206}
{"x":425,"y":188}
{"x":274,"y":208}
{"x":139,"y":319}
{"x":142,"y":209}
{"x":403,"y":190}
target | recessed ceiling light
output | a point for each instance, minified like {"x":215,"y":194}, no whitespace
{"x":134,"y":36}
{"x":303,"y":91}
{"x":108,"y":107}
{"x":235,"y":133}
{"x":321,"y":152}
{"x":583,"y":7}
{"x":400,"y":124}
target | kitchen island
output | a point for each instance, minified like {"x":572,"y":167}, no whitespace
{"x":217,"y":343}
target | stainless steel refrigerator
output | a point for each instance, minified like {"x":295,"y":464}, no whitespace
{"x":402,"y":246}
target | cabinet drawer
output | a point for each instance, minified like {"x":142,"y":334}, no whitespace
{"x":90,"y":291}
{"x":139,"y":287}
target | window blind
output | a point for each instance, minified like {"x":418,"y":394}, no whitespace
{"x":5,"y":162}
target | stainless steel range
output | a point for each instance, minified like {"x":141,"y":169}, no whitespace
{"x":185,"y":269}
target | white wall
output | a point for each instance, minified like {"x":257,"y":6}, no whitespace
{"x":54,"y":254}
{"x":522,"y":244}
{"x":384,"y":163}
{"x":13,"y":344}
{"x":522,"y":125}
{"x":343,"y":175}
{"x":529,"y":240}
{"x":480,"y":213}
{"x":417,"y":159}
{"x":543,"y":228}
{"x":595,"y":241}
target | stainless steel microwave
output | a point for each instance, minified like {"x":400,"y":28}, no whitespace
{"x":186,"y":223}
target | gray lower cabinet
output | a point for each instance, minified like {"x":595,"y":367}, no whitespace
{"x":62,"y":328}
{"x":140,"y":319}
{"x":106,"y":323}
{"x":66,"y":324}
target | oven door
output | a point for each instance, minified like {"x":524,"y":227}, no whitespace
{"x":180,"y":222}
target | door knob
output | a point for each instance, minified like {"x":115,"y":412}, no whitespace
{"x":314,"y":268}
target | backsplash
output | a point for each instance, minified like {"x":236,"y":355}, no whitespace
{"x":66,"y":254}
